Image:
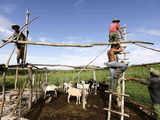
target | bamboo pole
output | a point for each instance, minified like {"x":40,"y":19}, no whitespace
{"x":119,"y":93}
{"x":46,"y":76}
{"x":119,"y":113}
{"x":109,"y":106}
{"x":84,"y":99}
{"x":147,"y":47}
{"x":3,"y":90}
{"x":30,"y":81}
{"x":74,"y":45}
{"x":10,"y":56}
{"x":27,"y":32}
{"x":20,"y":102}
{"x":36,"y":83}
{"x":16,"y":80}
{"x":114,"y":93}
{"x":94,"y":75}
{"x":123,"y":92}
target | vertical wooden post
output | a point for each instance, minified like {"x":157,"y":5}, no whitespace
{"x":123,"y":92}
{"x":30,"y":81}
{"x":36,"y":83}
{"x":20,"y":100}
{"x":46,"y":76}
{"x":3,"y":90}
{"x":84,"y":98}
{"x":33,"y":79}
{"x":94,"y":75}
{"x":16,"y":80}
{"x":119,"y":93}
{"x":109,"y":106}
{"x":27,"y":32}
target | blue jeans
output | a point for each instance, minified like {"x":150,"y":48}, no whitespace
{"x":112,"y":68}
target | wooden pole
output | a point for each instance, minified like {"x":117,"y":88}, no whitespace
{"x":109,"y":106}
{"x":36,"y":83}
{"x":94,"y":75}
{"x":33,"y":79}
{"x":84,"y":99}
{"x":119,"y":93}
{"x":46,"y":76}
{"x":74,"y":45}
{"x":10,"y":56}
{"x":30,"y":81}
{"x":16,"y":80}
{"x":123,"y":92}
{"x":147,"y":47}
{"x":27,"y":32}
{"x":3,"y":90}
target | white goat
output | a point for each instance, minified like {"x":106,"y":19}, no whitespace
{"x":75,"y":92}
{"x":51,"y":88}
{"x":83,"y":85}
{"x":66,"y":86}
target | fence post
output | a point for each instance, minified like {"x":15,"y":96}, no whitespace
{"x":30,"y":83}
{"x":3,"y":90}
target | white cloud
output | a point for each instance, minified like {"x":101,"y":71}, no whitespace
{"x":153,"y":32}
{"x":5,"y":26}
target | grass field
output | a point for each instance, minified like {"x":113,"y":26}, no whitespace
{"x":136,"y":90}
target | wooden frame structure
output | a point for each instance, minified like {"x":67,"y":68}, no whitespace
{"x":38,"y":78}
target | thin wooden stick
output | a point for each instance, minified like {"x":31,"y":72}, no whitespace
{"x":123,"y":92}
{"x":10,"y":56}
{"x":119,"y":93}
{"x":16,"y":80}
{"x":30,"y":81}
{"x":119,"y":113}
{"x":109,"y":107}
{"x":46,"y":76}
{"x":27,"y":32}
{"x":147,"y":47}
{"x":36,"y":83}
{"x":84,"y":98}
{"x":74,"y":45}
{"x":3,"y":90}
{"x":107,"y":91}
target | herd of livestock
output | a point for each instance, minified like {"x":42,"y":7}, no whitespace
{"x":76,"y":90}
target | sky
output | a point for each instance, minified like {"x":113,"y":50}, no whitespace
{"x":81,"y":22}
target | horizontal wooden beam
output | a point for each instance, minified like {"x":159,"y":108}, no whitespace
{"x":72,"y":45}
{"x":155,"y":63}
{"x":75,"y":67}
{"x":110,"y":92}
{"x":119,"y":113}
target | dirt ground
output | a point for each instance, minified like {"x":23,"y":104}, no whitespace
{"x":59,"y":109}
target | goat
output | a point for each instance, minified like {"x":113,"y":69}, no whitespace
{"x":82,"y":85}
{"x":66,"y":86}
{"x":93,"y":85}
{"x":49,"y":89}
{"x":74,"y":92}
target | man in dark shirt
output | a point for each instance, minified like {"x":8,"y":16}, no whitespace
{"x":153,"y":84}
{"x":17,"y":35}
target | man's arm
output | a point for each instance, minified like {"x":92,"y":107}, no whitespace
{"x":120,"y":30}
{"x":118,"y":50}
{"x":142,"y":81}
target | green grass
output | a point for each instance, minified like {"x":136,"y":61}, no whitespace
{"x":136,"y":91}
